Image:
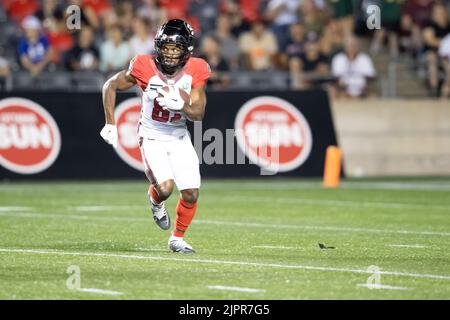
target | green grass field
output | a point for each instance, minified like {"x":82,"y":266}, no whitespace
{"x":250,"y":234}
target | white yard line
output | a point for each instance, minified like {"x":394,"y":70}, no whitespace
{"x":104,"y":208}
{"x":381,"y":286}
{"x":223,"y":262}
{"x":151,"y":249}
{"x":100,"y":291}
{"x":323,"y":228}
{"x":236,"y":289}
{"x":338,"y":203}
{"x":9,"y":209}
{"x":278,"y":199}
{"x":91,"y":208}
{"x":358,"y":185}
{"x":406,"y":245}
{"x":274,"y":247}
{"x":40,"y":215}
{"x":402,"y":186}
{"x":320,"y":202}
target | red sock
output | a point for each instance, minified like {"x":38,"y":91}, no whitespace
{"x":154,"y":195}
{"x":185,"y":214}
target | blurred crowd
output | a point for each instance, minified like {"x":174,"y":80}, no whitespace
{"x":318,"y":42}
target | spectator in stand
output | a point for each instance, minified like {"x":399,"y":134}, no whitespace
{"x":258,"y":46}
{"x":437,"y":28}
{"x":4,"y":68}
{"x":179,"y":9}
{"x":281,"y":14}
{"x":332,"y":41}
{"x":251,"y":9}
{"x":444,"y":53}
{"x":84,"y":56}
{"x":307,"y":68}
{"x":35,"y":52}
{"x":416,"y":14}
{"x":343,"y":15}
{"x":88,"y":16}
{"x":18,"y":10}
{"x":48,"y":11}
{"x":100,"y":13}
{"x":228,"y":43}
{"x":142,"y":41}
{"x":175,"y":9}
{"x":115,"y":53}
{"x":391,"y":12}
{"x":5,"y":72}
{"x":59,"y":37}
{"x":353,"y":70}
{"x":419,"y":11}
{"x":125,"y":17}
{"x":206,"y":12}
{"x":211,"y":53}
{"x":237,"y":21}
{"x":53,"y":20}
{"x":156,"y":15}
{"x":313,"y":17}
{"x":295,"y":45}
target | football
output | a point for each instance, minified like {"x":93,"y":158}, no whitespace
{"x":183,"y":94}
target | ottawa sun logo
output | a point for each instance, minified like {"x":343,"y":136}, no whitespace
{"x":30,"y":140}
{"x":127,"y":116}
{"x":267,"y":126}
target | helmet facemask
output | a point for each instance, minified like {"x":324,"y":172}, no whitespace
{"x":174,"y":44}
{"x":172,"y":56}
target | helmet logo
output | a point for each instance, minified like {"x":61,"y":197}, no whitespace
{"x":191,"y":30}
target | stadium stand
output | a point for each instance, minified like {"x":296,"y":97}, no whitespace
{"x":250,"y":44}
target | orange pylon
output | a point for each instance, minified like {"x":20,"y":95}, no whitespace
{"x":332,"y":171}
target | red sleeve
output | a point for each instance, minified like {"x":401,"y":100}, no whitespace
{"x":201,"y":73}
{"x":140,"y":70}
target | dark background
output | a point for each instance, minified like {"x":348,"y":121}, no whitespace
{"x":84,"y":154}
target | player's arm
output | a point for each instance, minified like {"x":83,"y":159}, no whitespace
{"x":195,"y":111}
{"x":120,"y":81}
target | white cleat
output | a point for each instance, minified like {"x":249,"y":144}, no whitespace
{"x":177,"y":244}
{"x":160,"y":215}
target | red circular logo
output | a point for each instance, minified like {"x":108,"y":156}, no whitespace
{"x":29,"y":137}
{"x":127,"y":116}
{"x":273,"y":134}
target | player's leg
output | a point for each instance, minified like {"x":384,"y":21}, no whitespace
{"x":159,"y":192}
{"x":186,"y":208}
{"x":185,"y":167}
{"x":158,"y":172}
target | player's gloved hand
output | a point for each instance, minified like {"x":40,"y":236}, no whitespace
{"x":109,"y":134}
{"x":171,"y":100}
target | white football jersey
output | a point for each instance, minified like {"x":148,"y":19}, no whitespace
{"x":155,"y":122}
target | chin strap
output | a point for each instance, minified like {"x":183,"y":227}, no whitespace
{"x":169,"y":70}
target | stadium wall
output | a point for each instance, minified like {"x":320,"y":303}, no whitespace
{"x":394,"y":137}
{"x":33,"y":146}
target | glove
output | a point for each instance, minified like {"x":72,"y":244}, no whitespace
{"x":171,"y":100}
{"x":109,"y":134}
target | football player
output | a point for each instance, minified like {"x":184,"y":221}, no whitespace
{"x":168,"y":154}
